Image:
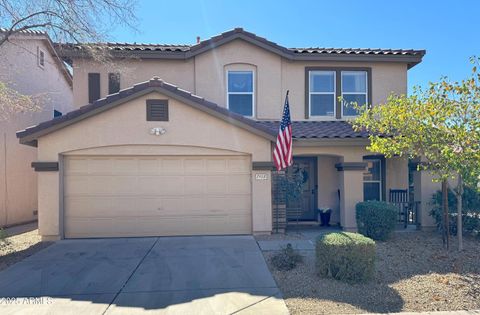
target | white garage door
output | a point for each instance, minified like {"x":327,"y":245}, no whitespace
{"x":154,"y":196}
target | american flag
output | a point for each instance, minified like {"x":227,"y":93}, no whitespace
{"x":282,"y":154}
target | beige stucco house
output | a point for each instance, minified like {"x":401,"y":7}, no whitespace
{"x":177,"y":140}
{"x":29,"y":65}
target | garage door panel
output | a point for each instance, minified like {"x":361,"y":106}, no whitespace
{"x":216,"y":166}
{"x":100,"y":166}
{"x":148,"y":166}
{"x":147,"y":185}
{"x":238,"y":184}
{"x":150,"y":196}
{"x":194,"y":166}
{"x":171,"y":185}
{"x":171,"y":166}
{"x":216,"y":184}
{"x":238,"y":166}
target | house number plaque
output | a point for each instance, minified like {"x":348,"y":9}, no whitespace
{"x":261,"y":176}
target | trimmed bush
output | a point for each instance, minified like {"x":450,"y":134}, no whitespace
{"x":345,"y":256}
{"x":376,"y":219}
{"x":287,"y":258}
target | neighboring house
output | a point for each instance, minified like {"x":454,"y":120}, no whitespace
{"x":177,"y":140}
{"x":29,"y":65}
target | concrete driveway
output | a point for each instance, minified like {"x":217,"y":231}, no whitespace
{"x":166,"y":275}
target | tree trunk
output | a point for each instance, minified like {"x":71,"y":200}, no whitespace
{"x":446,"y":227}
{"x":459,"y":212}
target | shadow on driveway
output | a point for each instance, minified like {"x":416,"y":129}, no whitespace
{"x":222,"y":275}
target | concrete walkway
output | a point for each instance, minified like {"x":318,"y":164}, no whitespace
{"x":174,"y":275}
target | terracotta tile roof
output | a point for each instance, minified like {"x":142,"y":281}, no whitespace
{"x":410,"y":56}
{"x":29,"y":135}
{"x":319,"y":129}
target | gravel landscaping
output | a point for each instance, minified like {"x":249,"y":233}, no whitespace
{"x":18,"y":247}
{"x":413,"y":273}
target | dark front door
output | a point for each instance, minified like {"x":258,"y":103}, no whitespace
{"x":305,"y":208}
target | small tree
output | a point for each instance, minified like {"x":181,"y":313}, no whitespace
{"x":440,"y":124}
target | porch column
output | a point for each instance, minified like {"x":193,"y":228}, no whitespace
{"x":49,"y":185}
{"x":424,"y":188}
{"x":351,"y":192}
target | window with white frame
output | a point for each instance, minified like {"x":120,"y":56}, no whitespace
{"x":322,"y":91}
{"x":354,"y":91}
{"x":240,"y":92}
{"x":372,"y":180}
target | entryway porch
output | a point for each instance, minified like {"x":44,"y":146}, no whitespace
{"x":332,"y":185}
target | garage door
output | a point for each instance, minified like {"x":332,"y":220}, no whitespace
{"x":155,"y":196}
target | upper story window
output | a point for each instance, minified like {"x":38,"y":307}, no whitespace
{"x":354,"y":90}
{"x":113,"y":82}
{"x":325,"y":86}
{"x":40,"y":58}
{"x":322,"y":93}
{"x":93,"y":87}
{"x":240,"y":92}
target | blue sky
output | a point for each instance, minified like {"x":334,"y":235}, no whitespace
{"x":448,"y":30}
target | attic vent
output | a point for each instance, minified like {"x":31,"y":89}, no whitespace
{"x":157,"y":110}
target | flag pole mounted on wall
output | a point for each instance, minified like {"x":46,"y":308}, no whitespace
{"x":282,"y":153}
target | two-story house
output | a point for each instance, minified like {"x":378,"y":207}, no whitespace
{"x":178,"y":140}
{"x":29,"y":65}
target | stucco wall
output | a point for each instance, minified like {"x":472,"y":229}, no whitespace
{"x":19,"y":70}
{"x":205,"y":75}
{"x":124,"y":130}
{"x":328,"y":185}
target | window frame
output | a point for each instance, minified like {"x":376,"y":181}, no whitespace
{"x":367,"y":99}
{"x":241,"y":93}
{"x":383,"y":179}
{"x":310,"y":93}
{"x":338,"y":89}
{"x":40,"y":57}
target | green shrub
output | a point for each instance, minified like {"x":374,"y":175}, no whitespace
{"x":287,"y":258}
{"x":376,"y":219}
{"x":3,"y":234}
{"x":470,"y":211}
{"x":345,"y":256}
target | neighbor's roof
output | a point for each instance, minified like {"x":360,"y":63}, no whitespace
{"x":30,"y":135}
{"x":319,"y":129}
{"x":410,"y":56}
{"x":44,"y":36}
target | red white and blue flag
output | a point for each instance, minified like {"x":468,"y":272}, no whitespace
{"x":282,"y":154}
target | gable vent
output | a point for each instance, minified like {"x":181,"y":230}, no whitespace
{"x":157,"y":110}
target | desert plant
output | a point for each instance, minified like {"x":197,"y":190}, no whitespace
{"x":376,"y":219}
{"x":287,"y":258}
{"x":345,"y":256}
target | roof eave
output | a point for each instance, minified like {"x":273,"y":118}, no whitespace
{"x":313,"y":142}
{"x":29,"y":136}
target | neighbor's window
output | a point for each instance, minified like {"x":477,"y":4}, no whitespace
{"x":113,"y":82}
{"x":240,"y":94}
{"x":354,"y":90}
{"x":372,"y":180}
{"x":322,"y":93}
{"x":40,"y":57}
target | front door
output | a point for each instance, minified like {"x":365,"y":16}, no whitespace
{"x":305,"y":208}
